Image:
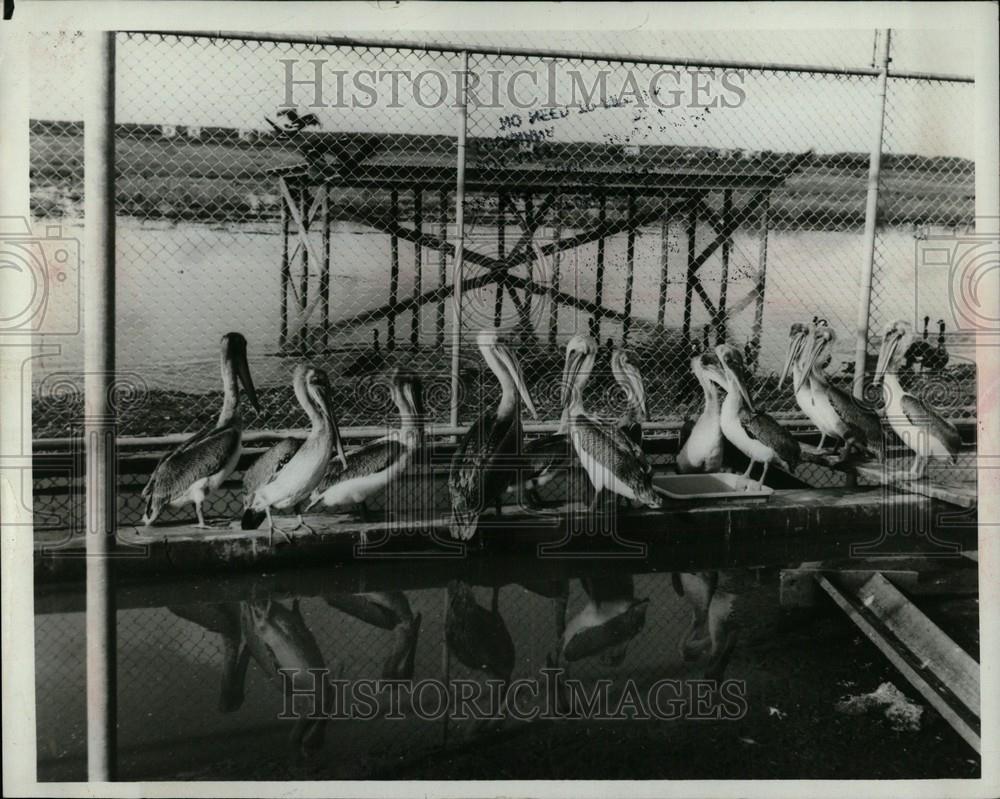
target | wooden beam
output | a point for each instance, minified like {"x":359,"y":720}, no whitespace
{"x":961,"y":496}
{"x":595,"y":321}
{"x":390,"y":334}
{"x":720,"y":316}
{"x":418,"y":266}
{"x":661,"y":304}
{"x":629,"y":270}
{"x":554,"y":278}
{"x":691,"y":232}
{"x":760,"y":288}
{"x":932,"y":663}
{"x":285,"y":269}
{"x":324,"y":274}
{"x":442,"y":264}
{"x":501,"y":249}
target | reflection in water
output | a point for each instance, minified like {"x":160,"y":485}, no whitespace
{"x":209,"y":707}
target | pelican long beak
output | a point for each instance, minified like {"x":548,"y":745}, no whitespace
{"x":513,"y":368}
{"x":736,"y":381}
{"x":811,"y":350}
{"x":243,"y":372}
{"x":639,"y":390}
{"x":413,"y":394}
{"x":574,"y":360}
{"x":885,"y":355}
{"x":325,"y":398}
{"x":794,"y":348}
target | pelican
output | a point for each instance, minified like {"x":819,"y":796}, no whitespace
{"x":703,"y":449}
{"x":795,"y":359}
{"x":938,"y":357}
{"x":710,"y":631}
{"x":919,"y":426}
{"x":629,"y":378}
{"x":222,"y":618}
{"x":373,"y":467}
{"x":485,"y":462}
{"x":610,"y":458}
{"x":754,"y":433}
{"x":839,"y":411}
{"x":203,"y":462}
{"x":285,"y":479}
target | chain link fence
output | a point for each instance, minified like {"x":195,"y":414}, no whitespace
{"x":662,"y":207}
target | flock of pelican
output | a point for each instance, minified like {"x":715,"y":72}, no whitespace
{"x":492,"y":458}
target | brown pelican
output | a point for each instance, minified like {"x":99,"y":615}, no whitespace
{"x":702,"y":451}
{"x":838,"y":410}
{"x":920,"y":427}
{"x":754,"y":433}
{"x":486,"y":460}
{"x":388,"y":610}
{"x":373,"y":467}
{"x":629,"y":378}
{"x":937,"y":358}
{"x":203,"y":462}
{"x":285,"y":648}
{"x":795,"y":360}
{"x":612,"y":460}
{"x":283,"y":478}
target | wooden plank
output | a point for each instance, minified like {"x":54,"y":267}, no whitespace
{"x":914,"y":668}
{"x":390,"y":334}
{"x":595,"y":321}
{"x":285,"y":269}
{"x":418,"y":267}
{"x":798,"y":586}
{"x":958,"y":495}
{"x":661,"y":303}
{"x":442,"y":265}
{"x":953,"y":665}
{"x":629,"y":270}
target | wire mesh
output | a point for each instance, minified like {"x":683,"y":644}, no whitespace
{"x":664,"y":208}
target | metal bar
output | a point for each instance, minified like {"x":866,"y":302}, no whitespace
{"x":418,"y":226}
{"x":553,"y":305}
{"x":324,"y":274}
{"x":871,"y":224}
{"x":595,"y":322}
{"x":530,"y":226}
{"x":99,"y":412}
{"x":501,"y":255}
{"x":692,"y":267}
{"x":758,"y":317}
{"x":442,"y":264}
{"x":285,"y":266}
{"x":523,"y":52}
{"x":661,"y":304}
{"x":456,"y":333}
{"x":390,"y":334}
{"x":727,"y":213}
{"x":629,"y":271}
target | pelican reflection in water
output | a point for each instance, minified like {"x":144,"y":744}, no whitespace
{"x":387,"y":610}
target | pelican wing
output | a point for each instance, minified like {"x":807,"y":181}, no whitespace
{"x":610,"y":444}
{"x":199,"y":457}
{"x":766,"y":430}
{"x":367,"y":460}
{"x":852,"y":412}
{"x":920,"y":415}
{"x":264,"y":469}
{"x":484,"y":463}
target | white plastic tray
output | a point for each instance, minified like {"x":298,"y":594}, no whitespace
{"x":717,"y":485}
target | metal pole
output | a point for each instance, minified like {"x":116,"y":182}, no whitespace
{"x":442,"y":262}
{"x":390,"y":334}
{"x":595,"y":320}
{"x":661,"y":304}
{"x":418,"y":265}
{"x":692,"y":232}
{"x":720,"y":321}
{"x":553,"y":304}
{"x":324,"y":279}
{"x":304,"y":277}
{"x":99,"y":422}
{"x":501,"y":254}
{"x":629,"y":270}
{"x":285,"y":272}
{"x":456,"y":333}
{"x":871,"y":220}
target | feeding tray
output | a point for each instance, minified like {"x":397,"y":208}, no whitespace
{"x":718,"y":485}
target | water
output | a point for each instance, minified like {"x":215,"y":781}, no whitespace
{"x":768,"y":713}
{"x":181,"y":286}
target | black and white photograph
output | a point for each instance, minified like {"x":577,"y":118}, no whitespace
{"x":464,"y":399}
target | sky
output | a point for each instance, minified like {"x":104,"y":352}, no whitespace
{"x":188,"y":82}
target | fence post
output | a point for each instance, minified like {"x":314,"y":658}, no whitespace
{"x":456,"y":333}
{"x":99,"y":421}
{"x":871,"y":214}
